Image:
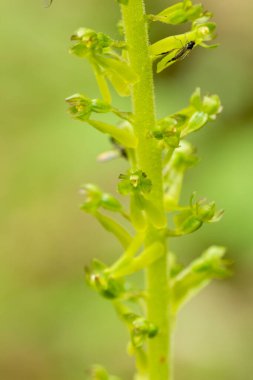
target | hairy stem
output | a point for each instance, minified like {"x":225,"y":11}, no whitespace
{"x":149,"y":160}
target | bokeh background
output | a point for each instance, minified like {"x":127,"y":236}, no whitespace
{"x":52,"y":327}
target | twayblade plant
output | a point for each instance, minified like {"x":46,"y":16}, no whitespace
{"x":158,"y":156}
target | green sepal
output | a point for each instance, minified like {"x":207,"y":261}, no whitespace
{"x":95,"y":199}
{"x":210,"y":104}
{"x":189,"y":224}
{"x":191,"y":218}
{"x":185,"y":223}
{"x":167,"y":131}
{"x":206,"y":211}
{"x":88,"y":42}
{"x":205,"y":29}
{"x":93,"y":196}
{"x":196,"y":121}
{"x":98,"y":48}
{"x":140,"y":329}
{"x":192,"y":118}
{"x":81,"y":107}
{"x":199,"y":112}
{"x":104,"y":284}
{"x":179,"y":13}
{"x":134,"y":182}
{"x":138,"y":185}
{"x":128,"y":266}
{"x":143,"y":210}
{"x":110,"y":203}
{"x":100,"y":373}
{"x":122,"y":133}
{"x":189,"y":281}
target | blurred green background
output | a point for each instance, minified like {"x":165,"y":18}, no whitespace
{"x":52,"y":327}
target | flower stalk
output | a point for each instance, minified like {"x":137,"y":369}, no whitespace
{"x":149,"y":158}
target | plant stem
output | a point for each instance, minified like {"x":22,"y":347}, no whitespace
{"x":149,"y":160}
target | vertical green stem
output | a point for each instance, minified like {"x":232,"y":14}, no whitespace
{"x":149,"y":160}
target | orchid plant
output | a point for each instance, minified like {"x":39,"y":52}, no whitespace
{"x":158,"y":156}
